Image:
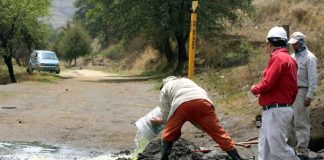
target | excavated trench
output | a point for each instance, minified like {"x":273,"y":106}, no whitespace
{"x":316,"y":144}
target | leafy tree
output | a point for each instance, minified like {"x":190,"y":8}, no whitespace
{"x":96,"y":25}
{"x":73,"y":43}
{"x":20,"y":26}
{"x":164,"y":21}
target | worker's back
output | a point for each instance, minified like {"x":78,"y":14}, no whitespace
{"x":178,"y":91}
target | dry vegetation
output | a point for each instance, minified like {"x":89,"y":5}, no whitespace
{"x":22,"y":75}
{"x":301,"y":15}
{"x":141,"y":56}
{"x":230,"y":85}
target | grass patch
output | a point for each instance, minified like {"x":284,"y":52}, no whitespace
{"x":42,"y":77}
{"x":239,"y":104}
{"x":229,"y":87}
{"x":226,"y":81}
{"x":5,"y":94}
{"x":22,"y":75}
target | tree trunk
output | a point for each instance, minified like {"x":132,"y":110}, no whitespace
{"x":74,"y":61}
{"x":166,"y":49}
{"x":8,"y":61}
{"x":182,"y":55}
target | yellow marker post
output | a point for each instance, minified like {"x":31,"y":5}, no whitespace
{"x":192,"y":40}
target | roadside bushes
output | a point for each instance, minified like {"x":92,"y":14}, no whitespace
{"x":114,"y":52}
{"x":73,"y":42}
{"x":227,"y":53}
{"x":239,"y":56}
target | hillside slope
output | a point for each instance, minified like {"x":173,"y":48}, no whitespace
{"x":60,"y":12}
{"x":306,"y":16}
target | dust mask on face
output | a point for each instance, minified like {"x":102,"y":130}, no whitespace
{"x":302,"y":46}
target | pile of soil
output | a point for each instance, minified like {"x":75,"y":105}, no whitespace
{"x":316,"y":114}
{"x":181,"y":150}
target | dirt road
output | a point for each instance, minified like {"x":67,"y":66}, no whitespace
{"x":86,"y":112}
{"x":89,"y":111}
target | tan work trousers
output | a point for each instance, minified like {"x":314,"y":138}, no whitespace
{"x":300,"y":133}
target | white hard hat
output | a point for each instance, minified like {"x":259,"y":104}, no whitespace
{"x":278,"y":32}
{"x":295,"y":37}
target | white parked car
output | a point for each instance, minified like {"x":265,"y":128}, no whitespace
{"x":42,"y":60}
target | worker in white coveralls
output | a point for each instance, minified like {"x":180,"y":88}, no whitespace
{"x":277,"y":91}
{"x":307,"y":83}
{"x":183,"y":100}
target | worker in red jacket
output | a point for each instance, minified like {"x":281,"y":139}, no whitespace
{"x":277,"y":92}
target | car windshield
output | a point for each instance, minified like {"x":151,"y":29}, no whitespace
{"x":48,"y":55}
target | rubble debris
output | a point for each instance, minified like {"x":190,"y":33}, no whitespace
{"x":181,"y":150}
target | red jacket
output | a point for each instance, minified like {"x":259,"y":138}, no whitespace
{"x":279,"y":81}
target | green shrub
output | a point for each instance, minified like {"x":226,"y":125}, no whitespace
{"x":114,"y":52}
{"x":73,"y":42}
{"x":239,"y":56}
{"x":232,"y":59}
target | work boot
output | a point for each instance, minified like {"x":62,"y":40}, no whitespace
{"x":234,"y":155}
{"x":166,"y":150}
{"x":302,"y":157}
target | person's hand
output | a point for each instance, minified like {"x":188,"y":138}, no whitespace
{"x":251,"y":89}
{"x":156,"y":124}
{"x":156,"y":121}
{"x":307,"y":102}
{"x":251,"y":96}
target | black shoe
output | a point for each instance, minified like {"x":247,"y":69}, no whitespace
{"x":166,"y":150}
{"x":302,"y":157}
{"x":234,"y":155}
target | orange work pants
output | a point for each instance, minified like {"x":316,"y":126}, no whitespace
{"x":200,"y":112}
